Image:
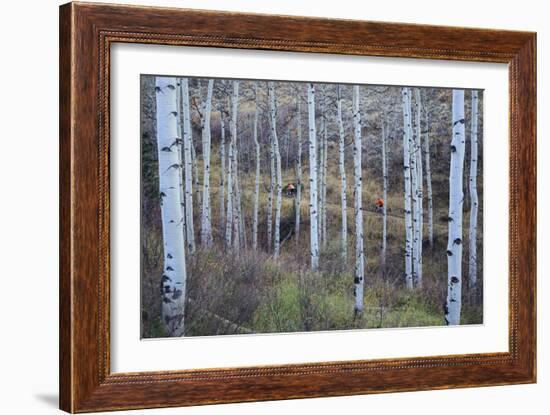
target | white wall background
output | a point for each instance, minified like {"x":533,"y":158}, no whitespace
{"x":29,"y":193}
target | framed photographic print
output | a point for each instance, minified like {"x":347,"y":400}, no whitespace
{"x":260,"y":207}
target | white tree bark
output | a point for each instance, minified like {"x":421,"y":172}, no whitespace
{"x":429,"y":184}
{"x":223,"y":172}
{"x":234,"y":167}
{"x":229,"y":221}
{"x":313,"y":185}
{"x":257,"y":181}
{"x":320,"y":171}
{"x":279,"y":182}
{"x":206,"y":211}
{"x":419,"y":187}
{"x":270,"y":195}
{"x":473,"y":193}
{"x":229,"y":215}
{"x":358,"y":196}
{"x":298,"y":200}
{"x":240,"y":237}
{"x":179,"y":147}
{"x":414,"y":191}
{"x":238,"y":228}
{"x":343,"y":179}
{"x":195,"y":170}
{"x":324,"y":174}
{"x":456,"y":200}
{"x":407,"y":131}
{"x":385,"y":198}
{"x":188,"y":164}
{"x":173,"y":279}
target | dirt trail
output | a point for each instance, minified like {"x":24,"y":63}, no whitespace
{"x":402,"y":218}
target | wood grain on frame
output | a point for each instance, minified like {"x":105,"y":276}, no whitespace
{"x":86,"y":33}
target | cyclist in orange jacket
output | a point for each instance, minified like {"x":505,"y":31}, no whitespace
{"x":379,"y":204}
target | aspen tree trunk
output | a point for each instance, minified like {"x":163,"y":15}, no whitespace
{"x":270,"y":196}
{"x":206,"y":211}
{"x":229,"y":222}
{"x":234,"y":166}
{"x":229,"y":215}
{"x":222,"y":172}
{"x":429,"y":184}
{"x":414,"y":191}
{"x":343,"y":179}
{"x":320,"y":183}
{"x":173,"y":279}
{"x":240,"y":240}
{"x":195,"y":170}
{"x":242,"y":234}
{"x":236,"y":218}
{"x":358,"y":195}
{"x":298,"y":200}
{"x":473,"y":193}
{"x":456,"y":200}
{"x":320,"y":171}
{"x":273,"y":114}
{"x":238,"y":228}
{"x":188,"y":164}
{"x":419,"y":189}
{"x":257,"y":181}
{"x":405,"y":92}
{"x":313,"y":185}
{"x":287,"y":146}
{"x":179,"y":147}
{"x":385,"y":198}
{"x":324,"y":177}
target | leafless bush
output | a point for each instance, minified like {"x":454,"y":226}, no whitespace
{"x":223,"y":289}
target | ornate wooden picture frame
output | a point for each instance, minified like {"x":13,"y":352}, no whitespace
{"x":87,"y":32}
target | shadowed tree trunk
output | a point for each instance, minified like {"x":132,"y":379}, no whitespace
{"x":173,"y":279}
{"x":456,"y":201}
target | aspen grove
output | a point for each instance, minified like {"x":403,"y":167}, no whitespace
{"x":277,"y":206}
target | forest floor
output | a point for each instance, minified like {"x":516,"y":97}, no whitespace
{"x":251,"y":292}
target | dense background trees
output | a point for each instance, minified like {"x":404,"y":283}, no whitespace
{"x":279,"y":196}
